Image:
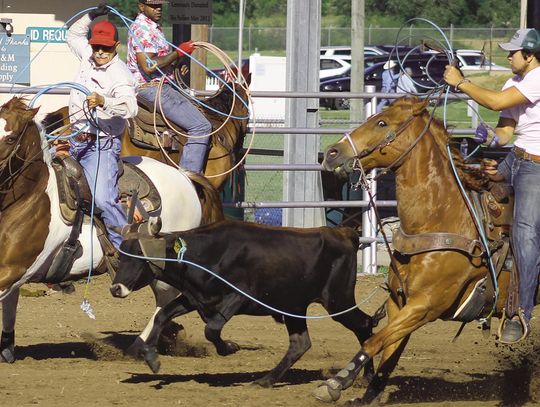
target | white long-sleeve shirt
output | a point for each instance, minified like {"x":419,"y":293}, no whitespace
{"x":113,"y":81}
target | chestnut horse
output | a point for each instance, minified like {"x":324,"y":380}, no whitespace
{"x":426,"y":285}
{"x":32,"y":229}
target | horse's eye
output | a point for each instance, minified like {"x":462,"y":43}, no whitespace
{"x":11,"y":139}
{"x":381,"y":123}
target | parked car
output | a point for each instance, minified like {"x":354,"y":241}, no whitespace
{"x":476,"y":60}
{"x":427,"y":72}
{"x":345,"y":51}
{"x":333,"y":66}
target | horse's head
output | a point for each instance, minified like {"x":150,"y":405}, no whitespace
{"x":15,"y":117}
{"x":380,"y":141}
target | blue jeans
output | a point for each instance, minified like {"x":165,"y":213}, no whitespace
{"x":524,"y":176}
{"x":178,"y":109}
{"x":106,"y":194}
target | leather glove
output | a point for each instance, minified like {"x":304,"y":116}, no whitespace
{"x":485,"y":135}
{"x":101,"y":10}
{"x":187,"y":47}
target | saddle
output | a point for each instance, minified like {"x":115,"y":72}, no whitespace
{"x":495,"y":208}
{"x":143,"y":134}
{"x":75,"y":201}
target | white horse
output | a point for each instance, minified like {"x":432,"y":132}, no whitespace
{"x":32,"y":230}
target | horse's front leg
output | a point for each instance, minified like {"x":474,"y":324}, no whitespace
{"x":9,"y":316}
{"x":411,"y":317}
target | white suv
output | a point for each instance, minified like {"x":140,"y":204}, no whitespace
{"x":343,"y":51}
{"x":476,"y":60}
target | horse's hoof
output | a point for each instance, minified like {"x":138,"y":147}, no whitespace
{"x":328,"y":391}
{"x":228,"y":349}
{"x":263,"y":382}
{"x":7,"y":355}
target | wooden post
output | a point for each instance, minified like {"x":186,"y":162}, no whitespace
{"x":199,"y":32}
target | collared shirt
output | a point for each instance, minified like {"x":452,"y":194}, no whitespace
{"x":389,"y":79}
{"x":145,"y":35}
{"x":526,"y":116}
{"x":113,"y":81}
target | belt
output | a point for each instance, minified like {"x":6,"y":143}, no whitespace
{"x":521,"y":153}
{"x":148,"y":84}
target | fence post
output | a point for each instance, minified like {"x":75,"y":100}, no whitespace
{"x":369,"y":220}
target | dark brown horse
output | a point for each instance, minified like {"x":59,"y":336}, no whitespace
{"x":430,"y":283}
{"x":225,"y":146}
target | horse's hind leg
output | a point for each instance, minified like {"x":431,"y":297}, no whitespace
{"x":299,"y":343}
{"x":9,"y":315}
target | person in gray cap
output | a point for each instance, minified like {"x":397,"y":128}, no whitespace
{"x":519,"y":104}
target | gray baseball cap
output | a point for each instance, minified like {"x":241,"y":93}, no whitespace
{"x":526,"y":38}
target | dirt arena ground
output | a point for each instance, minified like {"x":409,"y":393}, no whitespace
{"x":67,"y":359}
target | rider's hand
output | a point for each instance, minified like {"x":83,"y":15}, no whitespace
{"x":187,"y":48}
{"x":95,"y":100}
{"x":489,"y":167}
{"x":452,"y":75}
{"x":485,"y":135}
{"x":101,"y":10}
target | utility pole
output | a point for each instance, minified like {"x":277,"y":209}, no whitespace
{"x":357,"y":58}
{"x":523,"y":14}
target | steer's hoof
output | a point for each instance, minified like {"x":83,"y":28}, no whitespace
{"x":151,"y":358}
{"x":7,"y":355}
{"x":328,"y":391}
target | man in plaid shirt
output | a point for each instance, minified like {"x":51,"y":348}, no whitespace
{"x":149,"y":50}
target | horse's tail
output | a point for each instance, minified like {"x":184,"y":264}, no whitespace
{"x":212,"y":208}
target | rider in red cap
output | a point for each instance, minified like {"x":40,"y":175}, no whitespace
{"x":112,"y":88}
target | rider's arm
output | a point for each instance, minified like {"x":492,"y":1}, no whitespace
{"x":505,"y":130}
{"x":157,"y":62}
{"x":492,"y":99}
{"x":77,"y":39}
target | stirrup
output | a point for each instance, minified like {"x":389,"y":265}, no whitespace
{"x":523,"y":325}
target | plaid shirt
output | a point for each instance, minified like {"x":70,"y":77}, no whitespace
{"x":146,"y":36}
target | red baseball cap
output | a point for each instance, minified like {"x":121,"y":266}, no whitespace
{"x":104,"y":33}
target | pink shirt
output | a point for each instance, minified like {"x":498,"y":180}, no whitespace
{"x":146,"y":36}
{"x":527,"y":116}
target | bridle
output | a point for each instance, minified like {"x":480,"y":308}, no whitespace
{"x":7,"y":162}
{"x":353,"y":164}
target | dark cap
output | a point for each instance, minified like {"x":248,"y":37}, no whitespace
{"x":104,"y":33}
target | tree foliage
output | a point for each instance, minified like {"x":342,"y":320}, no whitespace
{"x":460,"y":13}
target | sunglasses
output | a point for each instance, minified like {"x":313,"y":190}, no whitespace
{"x":104,"y":48}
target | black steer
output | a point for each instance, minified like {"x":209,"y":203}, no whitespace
{"x":286,"y":268}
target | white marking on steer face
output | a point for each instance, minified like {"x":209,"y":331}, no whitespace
{"x":3,"y":131}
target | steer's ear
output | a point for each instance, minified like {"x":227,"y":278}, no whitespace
{"x":154,"y":225}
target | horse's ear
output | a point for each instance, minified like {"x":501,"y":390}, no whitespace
{"x":419,"y":106}
{"x":248,"y":79}
{"x":30,"y":113}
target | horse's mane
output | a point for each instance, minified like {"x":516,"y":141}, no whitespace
{"x":473,"y":178}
